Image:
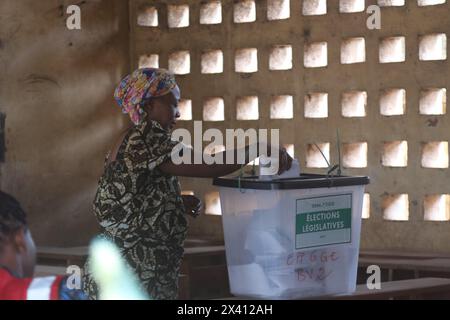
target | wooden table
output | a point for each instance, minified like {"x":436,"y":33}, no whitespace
{"x":207,"y":270}
{"x":416,"y":264}
{"x":44,"y":271}
{"x":205,"y":273}
{"x":424,"y":288}
{"x":59,"y":256}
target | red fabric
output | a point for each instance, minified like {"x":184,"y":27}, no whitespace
{"x":54,"y":293}
{"x":12,"y":288}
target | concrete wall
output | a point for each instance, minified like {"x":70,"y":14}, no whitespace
{"x":56,"y":89}
{"x":371,"y":76}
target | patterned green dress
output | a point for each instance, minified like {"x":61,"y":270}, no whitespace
{"x":141,"y":210}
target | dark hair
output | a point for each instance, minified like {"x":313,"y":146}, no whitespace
{"x":12,"y":216}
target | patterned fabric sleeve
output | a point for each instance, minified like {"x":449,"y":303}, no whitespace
{"x":146,"y":150}
{"x":161,"y":147}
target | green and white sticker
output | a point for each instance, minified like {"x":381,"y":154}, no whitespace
{"x":323,"y":221}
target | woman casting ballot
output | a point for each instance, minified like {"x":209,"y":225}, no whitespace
{"x":138,"y":203}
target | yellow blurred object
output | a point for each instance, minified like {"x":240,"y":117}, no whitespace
{"x":114,"y":278}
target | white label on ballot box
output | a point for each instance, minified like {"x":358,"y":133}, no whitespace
{"x":322,"y":221}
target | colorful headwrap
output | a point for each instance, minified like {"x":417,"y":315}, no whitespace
{"x":141,"y":85}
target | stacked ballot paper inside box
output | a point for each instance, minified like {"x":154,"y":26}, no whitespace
{"x":275,"y":269}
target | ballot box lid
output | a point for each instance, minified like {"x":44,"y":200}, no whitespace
{"x":304,"y":181}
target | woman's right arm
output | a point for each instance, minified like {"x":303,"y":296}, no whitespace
{"x":204,"y":170}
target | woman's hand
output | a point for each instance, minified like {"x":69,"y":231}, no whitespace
{"x":285,"y":161}
{"x":192,"y":204}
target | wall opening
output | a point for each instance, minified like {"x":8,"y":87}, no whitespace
{"x":316,"y":105}
{"x":211,"y":13}
{"x":278,"y":9}
{"x":350,"y":6}
{"x":437,"y":207}
{"x":366,"y":206}
{"x":433,"y":47}
{"x":246,"y":60}
{"x":423,"y":3}
{"x":316,"y":55}
{"x":281,"y":107}
{"x":396,"y":207}
{"x":435,"y":155}
{"x":149,"y":61}
{"x":391,"y":3}
{"x":214,"y":109}
{"x":180,"y":62}
{"x":353,"y":50}
{"x":393,"y":102}
{"x":314,"y":7}
{"x":147,"y":17}
{"x":247,"y":108}
{"x":314,"y":158}
{"x":244,"y":11}
{"x":354,"y":104}
{"x":178,"y":16}
{"x":280,"y":58}
{"x":355,"y":155}
{"x":185,"y":106}
{"x":395,"y":154}
{"x":290,"y":149}
{"x":433,"y":101}
{"x":392,"y":50}
{"x":212,"y":62}
{"x":254,"y":162}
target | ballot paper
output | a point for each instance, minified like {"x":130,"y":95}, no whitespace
{"x":281,"y":270}
{"x":293,"y":172}
{"x":265,"y":236}
{"x":249,"y":279}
